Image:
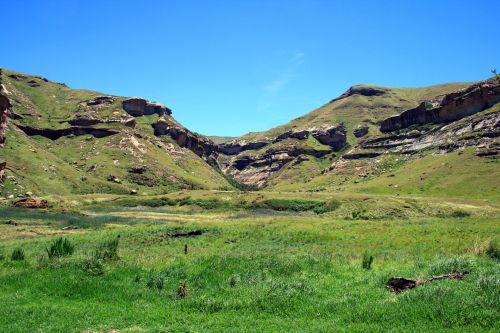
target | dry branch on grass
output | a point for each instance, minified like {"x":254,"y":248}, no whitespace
{"x":399,"y":284}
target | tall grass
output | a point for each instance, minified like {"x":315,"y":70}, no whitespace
{"x":60,"y":247}
{"x":18,"y":254}
{"x":108,"y":250}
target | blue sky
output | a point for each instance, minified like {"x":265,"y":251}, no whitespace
{"x":230,"y":67}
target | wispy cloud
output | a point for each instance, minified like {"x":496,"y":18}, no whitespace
{"x":288,"y":74}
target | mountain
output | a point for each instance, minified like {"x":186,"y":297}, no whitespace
{"x":64,"y":141}
{"x":437,"y":140}
{"x":307,"y":145}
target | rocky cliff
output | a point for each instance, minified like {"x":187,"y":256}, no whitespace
{"x":4,"y":108}
{"x":449,"y":108}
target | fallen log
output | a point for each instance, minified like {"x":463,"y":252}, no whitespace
{"x":399,"y":284}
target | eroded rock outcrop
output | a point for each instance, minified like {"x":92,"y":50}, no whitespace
{"x":198,"y":144}
{"x":4,"y":109}
{"x":360,"y":130}
{"x":293,"y":134}
{"x":137,"y":107}
{"x":256,"y":170}
{"x":480,"y":131}
{"x":334,"y":136}
{"x":55,"y":134}
{"x":362,"y":90}
{"x":101,"y":100}
{"x":236,"y":147}
{"x":451,"y":107}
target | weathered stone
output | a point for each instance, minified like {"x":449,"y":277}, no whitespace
{"x":235,"y":147}
{"x":198,"y":144}
{"x":361,"y":130}
{"x":292,"y":134}
{"x":55,"y":134}
{"x":137,"y":107}
{"x":101,"y":100}
{"x":451,"y":107}
{"x":334,"y":136}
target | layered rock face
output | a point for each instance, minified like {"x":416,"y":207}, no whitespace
{"x":480,"y":131}
{"x":137,"y":107}
{"x":285,"y":148}
{"x":55,"y":134}
{"x":451,"y":107}
{"x":4,"y":108}
{"x":256,"y":170}
{"x":334,"y":136}
{"x":200,"y":145}
{"x":236,"y":147}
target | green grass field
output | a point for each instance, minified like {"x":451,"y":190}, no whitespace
{"x":254,"y":262}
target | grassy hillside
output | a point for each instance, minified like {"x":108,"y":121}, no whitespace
{"x":84,"y":164}
{"x":357,"y":109}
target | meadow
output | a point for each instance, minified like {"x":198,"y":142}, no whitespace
{"x":249,"y":262}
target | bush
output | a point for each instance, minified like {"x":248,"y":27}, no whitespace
{"x":367,"y":261}
{"x":182,"y":290}
{"x":156,"y":281}
{"x":93,"y":266}
{"x":493,"y":250}
{"x":17,"y":254}
{"x":107,"y":250}
{"x":2,"y":256}
{"x":60,"y":247}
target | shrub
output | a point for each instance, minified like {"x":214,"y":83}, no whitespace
{"x":493,"y":250}
{"x":107,"y":250}
{"x":17,"y":254}
{"x":2,"y":256}
{"x":156,"y":281}
{"x":182,"y":290}
{"x":93,"y":266}
{"x":60,"y":247}
{"x":367,"y":261}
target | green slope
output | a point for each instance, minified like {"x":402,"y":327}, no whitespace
{"x":82,"y":164}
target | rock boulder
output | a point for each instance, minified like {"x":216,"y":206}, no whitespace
{"x":137,"y":107}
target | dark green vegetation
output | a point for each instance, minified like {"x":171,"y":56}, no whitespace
{"x":60,"y":247}
{"x":147,"y":265}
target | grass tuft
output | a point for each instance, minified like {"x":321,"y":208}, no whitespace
{"x":493,"y":249}
{"x":367,"y":261}
{"x":18,"y":254}
{"x":60,"y":247}
{"x":156,"y":281}
{"x":108,"y":250}
{"x":93,"y":266}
